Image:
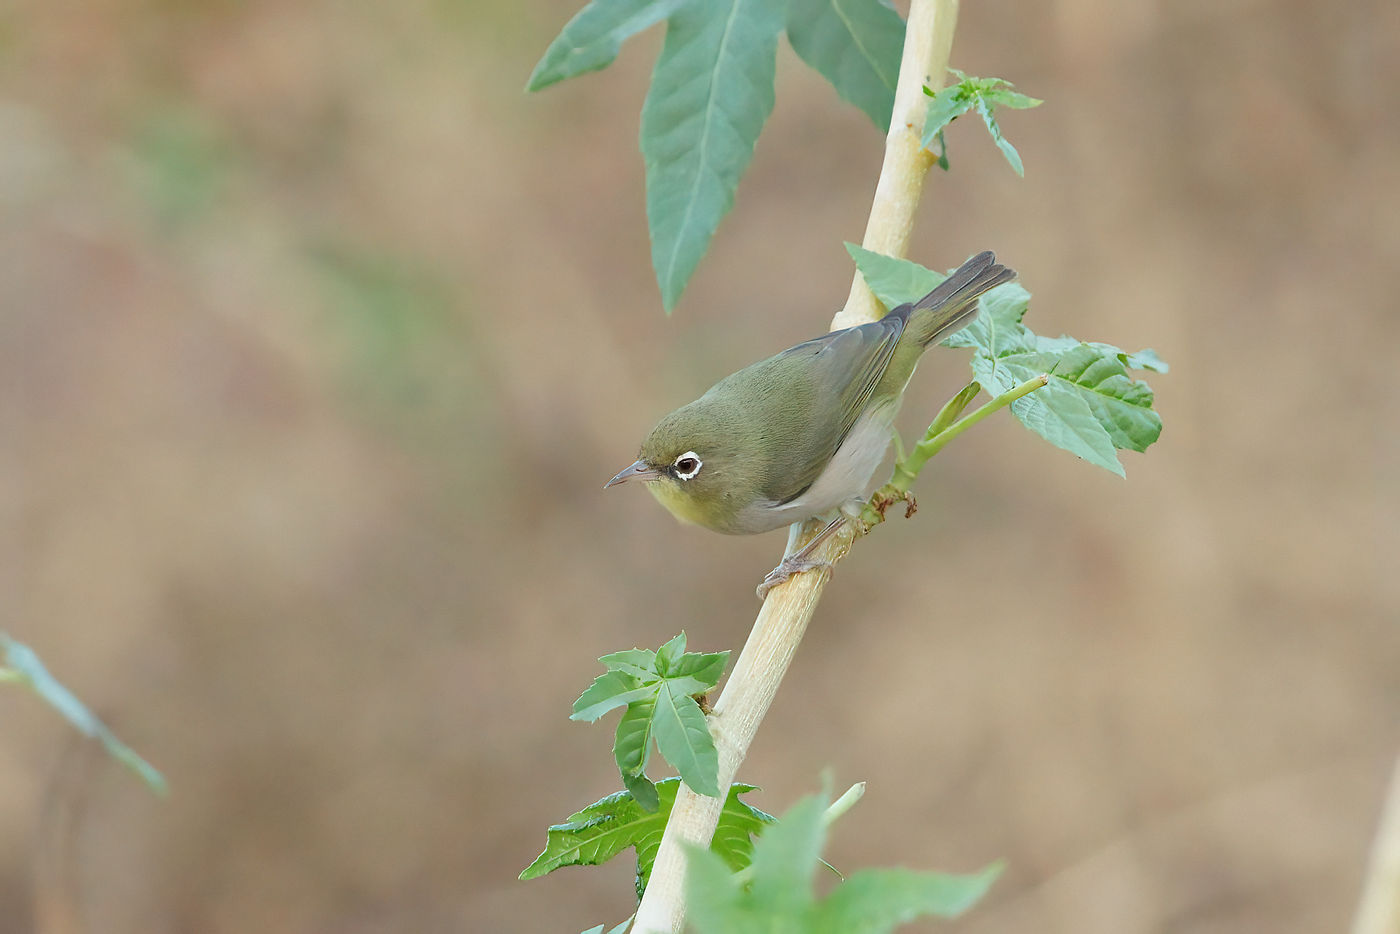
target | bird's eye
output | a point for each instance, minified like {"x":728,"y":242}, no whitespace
{"x":687,"y":465}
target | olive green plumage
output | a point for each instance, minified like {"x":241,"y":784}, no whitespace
{"x":801,"y":433}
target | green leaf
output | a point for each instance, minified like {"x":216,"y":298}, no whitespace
{"x":1120,"y":404}
{"x":785,"y":858}
{"x":877,"y":900}
{"x":705,"y":668}
{"x":894,"y":281}
{"x":632,"y":746}
{"x":591,"y":40}
{"x":642,"y":790}
{"x":657,"y":688}
{"x":1145,"y":359}
{"x":667,"y":655}
{"x":641,"y":663}
{"x":739,"y":824}
{"x":599,"y":832}
{"x":1003,"y":96}
{"x":1057,"y":413}
{"x":942,"y":162}
{"x":1007,"y":150}
{"x":943,"y":108}
{"x":998,"y":330}
{"x":627,"y":659}
{"x":710,"y":95}
{"x":854,"y":44}
{"x":1091,"y":407}
{"x":683,"y":737}
{"x":25,"y":666}
{"x":713,"y":899}
{"x":776,"y":894}
{"x":617,"y":929}
{"x":688,"y":685}
{"x":609,"y":690}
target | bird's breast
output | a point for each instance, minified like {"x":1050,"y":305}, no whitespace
{"x":844,"y":477}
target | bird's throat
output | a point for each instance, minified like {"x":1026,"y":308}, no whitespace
{"x":682,"y":506}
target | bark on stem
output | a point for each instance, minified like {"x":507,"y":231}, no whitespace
{"x":783,"y":619}
{"x":1379,"y":912}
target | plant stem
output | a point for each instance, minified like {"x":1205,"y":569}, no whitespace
{"x":908,"y":470}
{"x":838,"y":808}
{"x":940,"y":432}
{"x":789,"y":606}
{"x":928,"y":40}
{"x":1379,"y":912}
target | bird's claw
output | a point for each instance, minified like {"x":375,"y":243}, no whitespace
{"x":788,"y":568}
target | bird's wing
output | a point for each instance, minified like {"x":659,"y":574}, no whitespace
{"x":844,"y":368}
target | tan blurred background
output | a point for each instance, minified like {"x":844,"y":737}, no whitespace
{"x":318,"y":339}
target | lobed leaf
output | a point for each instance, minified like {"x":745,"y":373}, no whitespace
{"x":668,"y":654}
{"x":1091,"y":407}
{"x":733,"y":842}
{"x":591,"y":40}
{"x":854,"y":44}
{"x":703,"y":668}
{"x":1121,"y":404}
{"x":874,"y":901}
{"x":710,"y":95}
{"x":776,"y":894}
{"x":599,"y":832}
{"x":640,"y":662}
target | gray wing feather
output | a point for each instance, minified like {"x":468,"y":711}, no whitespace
{"x":847,"y":367}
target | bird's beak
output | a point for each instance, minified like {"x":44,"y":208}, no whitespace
{"x":636,"y":471}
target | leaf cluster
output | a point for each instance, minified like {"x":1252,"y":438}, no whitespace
{"x":22,"y":665}
{"x":777,"y":892}
{"x":659,"y":689}
{"x":1091,"y":406}
{"x":983,"y":95}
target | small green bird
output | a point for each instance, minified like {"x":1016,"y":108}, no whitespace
{"x":800,"y":434}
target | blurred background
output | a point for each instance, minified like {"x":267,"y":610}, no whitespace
{"x":318,"y":339}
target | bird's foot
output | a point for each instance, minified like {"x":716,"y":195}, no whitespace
{"x":794,"y":564}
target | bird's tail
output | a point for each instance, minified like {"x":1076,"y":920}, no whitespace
{"x":953,"y":304}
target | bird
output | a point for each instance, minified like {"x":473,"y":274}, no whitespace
{"x":799,"y":435}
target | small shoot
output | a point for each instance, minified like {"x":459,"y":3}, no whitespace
{"x":984,"y":95}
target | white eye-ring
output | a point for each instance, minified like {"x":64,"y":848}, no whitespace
{"x":687,"y":465}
